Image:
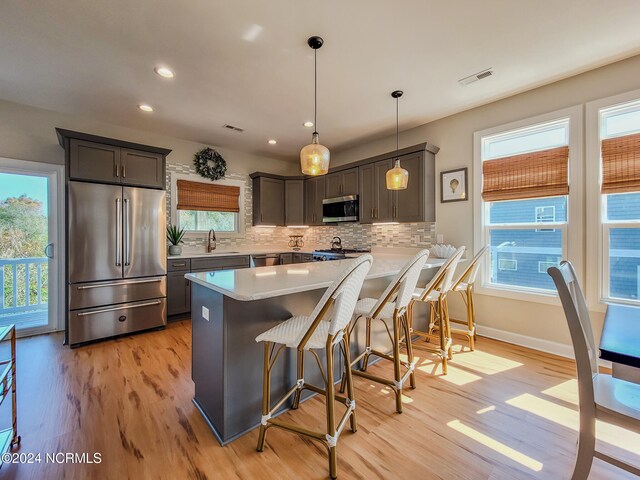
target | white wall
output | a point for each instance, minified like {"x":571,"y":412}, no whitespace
{"x":28,"y":133}
{"x":454,"y":136}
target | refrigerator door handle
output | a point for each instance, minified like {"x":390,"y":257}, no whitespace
{"x":127,"y":234}
{"x":118,"y":234}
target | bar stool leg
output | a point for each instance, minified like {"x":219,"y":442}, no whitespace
{"x":396,"y":361}
{"x":443,"y":343}
{"x":470,"y":319}
{"x":447,"y":327}
{"x":296,"y":398}
{"x":473,"y":313}
{"x":365,"y":360}
{"x":407,"y":337}
{"x":348,"y":378}
{"x":331,"y":422}
{"x":266,"y":397}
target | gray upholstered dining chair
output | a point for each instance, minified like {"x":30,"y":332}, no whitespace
{"x":599,"y":394}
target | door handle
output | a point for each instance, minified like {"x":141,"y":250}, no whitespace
{"x":48,"y":250}
{"x":124,"y":170}
{"x":124,"y":307}
{"x":127,"y":233}
{"x":118,"y":233}
{"x":117,"y":170}
{"x":115,"y":284}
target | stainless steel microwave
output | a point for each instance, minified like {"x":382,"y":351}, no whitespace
{"x":340,"y":209}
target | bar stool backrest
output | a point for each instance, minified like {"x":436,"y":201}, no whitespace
{"x":577,"y":314}
{"x":471,"y":273}
{"x":342,"y":294}
{"x":442,"y":280}
{"x":403,"y":285}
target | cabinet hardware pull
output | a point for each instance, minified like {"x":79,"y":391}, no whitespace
{"x":183,"y":264}
{"x":117,"y":171}
{"x":124,"y":171}
{"x":124,"y":307}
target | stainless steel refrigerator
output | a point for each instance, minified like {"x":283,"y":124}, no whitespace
{"x":116,"y":260}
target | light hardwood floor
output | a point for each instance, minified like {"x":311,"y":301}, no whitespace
{"x":503,"y":412}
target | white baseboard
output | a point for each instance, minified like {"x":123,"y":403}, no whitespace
{"x":547,"y":346}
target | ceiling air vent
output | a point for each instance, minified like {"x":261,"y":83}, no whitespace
{"x":476,"y":76}
{"x":232,"y":127}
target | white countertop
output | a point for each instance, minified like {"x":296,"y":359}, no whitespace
{"x":243,"y":250}
{"x":249,"y":284}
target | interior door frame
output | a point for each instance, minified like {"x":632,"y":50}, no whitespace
{"x":56,"y":223}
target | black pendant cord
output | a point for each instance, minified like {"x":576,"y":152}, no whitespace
{"x":397,"y":128}
{"x":315,"y":90}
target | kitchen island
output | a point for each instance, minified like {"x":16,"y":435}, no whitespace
{"x":230,"y":308}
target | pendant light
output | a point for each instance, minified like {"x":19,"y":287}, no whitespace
{"x":314,"y":158}
{"x":397,"y":177}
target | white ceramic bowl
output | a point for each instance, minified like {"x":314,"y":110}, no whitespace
{"x":442,"y":251}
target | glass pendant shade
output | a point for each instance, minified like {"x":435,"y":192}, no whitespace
{"x":314,"y":158}
{"x":397,"y":177}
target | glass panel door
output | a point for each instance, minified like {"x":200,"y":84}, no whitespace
{"x":28,"y":256}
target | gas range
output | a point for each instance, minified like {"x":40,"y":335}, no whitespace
{"x":335,"y":254}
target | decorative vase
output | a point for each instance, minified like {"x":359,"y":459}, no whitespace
{"x":175,"y":249}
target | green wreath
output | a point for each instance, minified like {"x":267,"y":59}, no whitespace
{"x":210,"y":164}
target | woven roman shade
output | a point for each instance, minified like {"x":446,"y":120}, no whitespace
{"x":543,"y":173}
{"x":207,"y":196}
{"x":621,"y":164}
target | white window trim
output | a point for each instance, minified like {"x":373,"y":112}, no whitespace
{"x":572,"y":238}
{"x":597,"y":297}
{"x":225,"y":181}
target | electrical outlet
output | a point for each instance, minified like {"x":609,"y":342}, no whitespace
{"x":440,"y":238}
{"x":205,"y":313}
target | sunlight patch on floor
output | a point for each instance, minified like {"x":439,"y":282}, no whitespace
{"x":486,"y":363}
{"x":566,"y":391}
{"x":569,"y":418}
{"x":487,"y":409}
{"x":455,"y":375}
{"x":495,"y":445}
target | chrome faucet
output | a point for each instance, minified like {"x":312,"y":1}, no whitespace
{"x":211,"y":244}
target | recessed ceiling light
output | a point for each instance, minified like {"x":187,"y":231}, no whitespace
{"x":165,"y":72}
{"x":272,"y":142}
{"x":145,"y":107}
{"x":308,"y":124}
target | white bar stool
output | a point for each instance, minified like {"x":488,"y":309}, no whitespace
{"x":435,"y":295}
{"x":391,"y":307}
{"x":326,"y":327}
{"x":464,"y":285}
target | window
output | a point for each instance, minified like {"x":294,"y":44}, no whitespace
{"x":619,"y":127}
{"x":199,"y":207}
{"x":524,"y":182}
{"x":545,"y":214}
{"x":508,"y":264}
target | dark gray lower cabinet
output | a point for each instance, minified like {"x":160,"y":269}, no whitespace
{"x":178,"y":293}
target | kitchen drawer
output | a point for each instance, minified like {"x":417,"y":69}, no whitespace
{"x":95,"y":323}
{"x":86,"y":295}
{"x":178,"y":264}
{"x":200,"y":264}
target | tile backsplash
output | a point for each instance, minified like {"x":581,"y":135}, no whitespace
{"x":352,"y":234}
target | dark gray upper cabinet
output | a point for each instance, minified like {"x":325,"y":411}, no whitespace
{"x":366,"y":178}
{"x":294,"y":202}
{"x":375,"y":200}
{"x":268,"y":201}
{"x":314,"y":194}
{"x":94,"y":161}
{"x":343,"y":182}
{"x":145,"y":169}
{"x":107,"y":160}
{"x":417,"y":202}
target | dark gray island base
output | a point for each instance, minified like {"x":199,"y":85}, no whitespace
{"x":227,"y":362}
